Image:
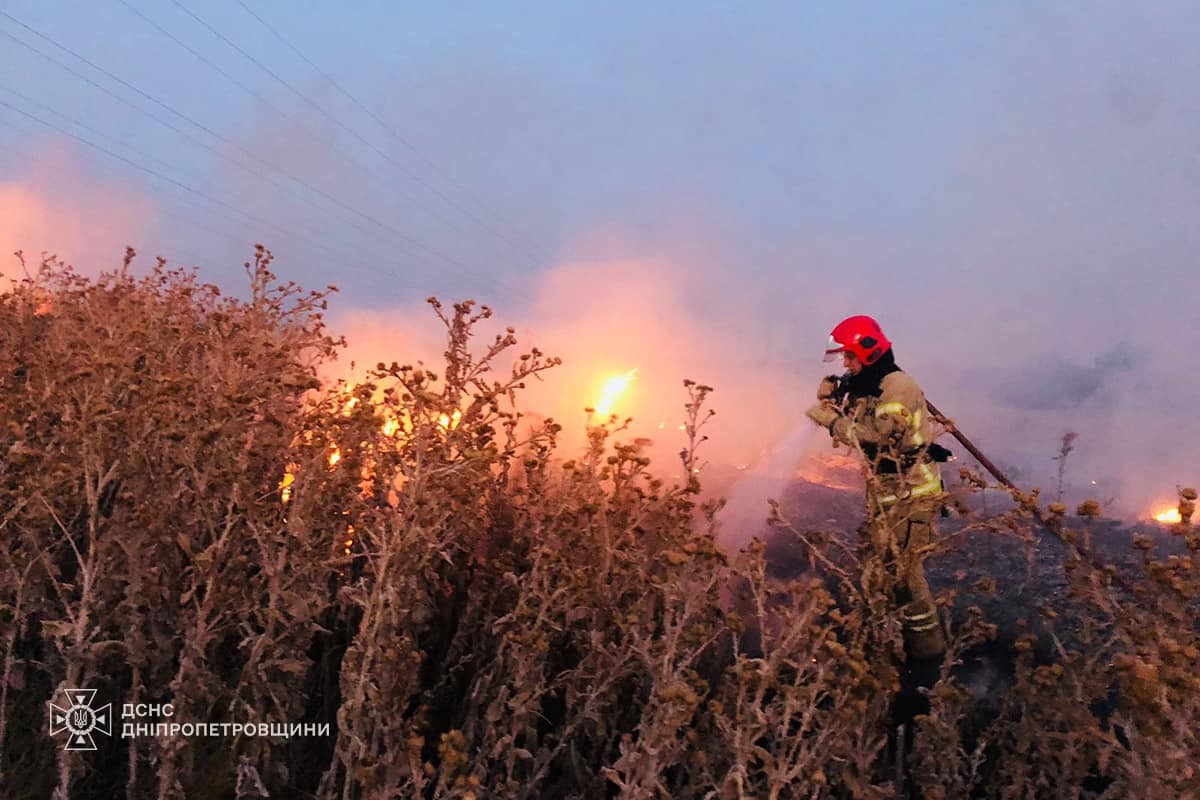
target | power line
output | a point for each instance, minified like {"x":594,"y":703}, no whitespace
{"x":152,"y":172}
{"x":542,"y":253}
{"x":529,"y":246}
{"x":111,"y":93}
{"x":389,"y":129}
{"x":95,"y":132}
{"x":171,"y":126}
{"x":286,"y":85}
{"x":409,"y":240}
{"x":228,"y":236}
{"x":180,"y":256}
{"x":85,"y":126}
{"x":185,"y":187}
{"x":366,"y":170}
{"x":75,"y":178}
{"x":261,"y":99}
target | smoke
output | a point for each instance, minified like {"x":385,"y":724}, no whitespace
{"x":746,"y":510}
{"x":1050,"y":382}
{"x":605,"y":318}
{"x":1011,"y":189}
{"x":54,"y":205}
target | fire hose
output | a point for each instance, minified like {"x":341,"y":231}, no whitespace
{"x":1047,"y":520}
{"x":953,"y":430}
{"x":1051,"y":522}
{"x":841,"y":389}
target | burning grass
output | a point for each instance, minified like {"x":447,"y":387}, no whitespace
{"x":478,"y":610}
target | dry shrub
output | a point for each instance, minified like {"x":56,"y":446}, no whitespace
{"x":143,"y":424}
{"x":190,"y":518}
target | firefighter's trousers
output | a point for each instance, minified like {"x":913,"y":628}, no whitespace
{"x":899,"y":534}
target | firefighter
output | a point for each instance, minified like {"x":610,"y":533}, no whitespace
{"x":880,"y":410}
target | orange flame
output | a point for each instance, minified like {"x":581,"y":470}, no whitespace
{"x":1168,"y":515}
{"x":446,"y":422}
{"x":614,"y":387}
{"x":289,"y":477}
{"x":389,"y":427}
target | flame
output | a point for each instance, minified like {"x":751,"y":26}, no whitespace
{"x":614,"y":387}
{"x":289,"y":477}
{"x":390,"y":427}
{"x":1168,"y":515}
{"x":832,"y":470}
{"x":347,"y":391}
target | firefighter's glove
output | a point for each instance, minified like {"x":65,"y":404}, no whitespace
{"x":829,"y":385}
{"x":824,"y":414}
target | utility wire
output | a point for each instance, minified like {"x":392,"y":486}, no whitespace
{"x":121,"y":142}
{"x":188,"y":256}
{"x":261,"y":99}
{"x":90,"y":129}
{"x":179,"y":256}
{"x":530,"y":249}
{"x":392,"y":131}
{"x":75,"y":178}
{"x":363,"y":168}
{"x":171,"y":126}
{"x":294,"y":91}
{"x":411,"y":241}
{"x":185,"y":187}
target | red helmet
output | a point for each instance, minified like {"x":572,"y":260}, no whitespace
{"x":859,"y":335}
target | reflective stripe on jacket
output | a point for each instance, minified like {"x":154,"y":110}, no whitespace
{"x":894,"y":425}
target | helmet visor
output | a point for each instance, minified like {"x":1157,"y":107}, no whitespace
{"x":833,"y":349}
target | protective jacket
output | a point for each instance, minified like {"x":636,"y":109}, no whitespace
{"x":885,"y":413}
{"x":882,"y":410}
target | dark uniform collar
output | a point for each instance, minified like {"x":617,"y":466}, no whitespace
{"x":868,"y":382}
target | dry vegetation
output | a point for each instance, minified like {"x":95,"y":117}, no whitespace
{"x":507,"y":620}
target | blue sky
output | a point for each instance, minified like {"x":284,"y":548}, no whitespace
{"x":1007,"y":186}
{"x":777,"y":121}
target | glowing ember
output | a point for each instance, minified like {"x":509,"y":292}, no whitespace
{"x":832,"y":470}
{"x":335,"y":457}
{"x":390,"y":427}
{"x":1168,"y":515}
{"x":614,"y":387}
{"x":289,"y":477}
